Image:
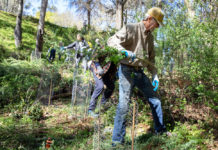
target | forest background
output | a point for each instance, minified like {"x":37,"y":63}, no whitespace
{"x":186,"y":57}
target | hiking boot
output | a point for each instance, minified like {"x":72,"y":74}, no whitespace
{"x":92,"y":114}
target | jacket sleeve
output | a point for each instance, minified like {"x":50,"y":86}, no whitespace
{"x":121,"y":38}
{"x":86,"y":44}
{"x":72,"y":45}
{"x":151,"y":56}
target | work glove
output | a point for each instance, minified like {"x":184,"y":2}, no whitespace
{"x":128,"y":54}
{"x":89,"y":64}
{"x":155,"y":82}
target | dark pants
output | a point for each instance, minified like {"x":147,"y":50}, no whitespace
{"x":59,"y":56}
{"x":52,"y":55}
{"x":99,"y":87}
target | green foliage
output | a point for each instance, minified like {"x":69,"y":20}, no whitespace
{"x":20,"y":80}
{"x":193,"y":45}
{"x":109,"y":115}
{"x":35,"y":112}
{"x":183,"y":137}
{"x":53,"y":34}
{"x":110,"y":54}
{"x":28,"y":134}
{"x":187,"y":137}
{"x":91,"y":35}
{"x":14,"y":135}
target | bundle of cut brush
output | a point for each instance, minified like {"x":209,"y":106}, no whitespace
{"x":106,"y":54}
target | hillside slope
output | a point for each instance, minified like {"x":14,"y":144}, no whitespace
{"x":53,"y":33}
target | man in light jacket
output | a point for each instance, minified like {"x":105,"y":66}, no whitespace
{"x":136,"y":42}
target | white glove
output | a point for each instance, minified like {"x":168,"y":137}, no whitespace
{"x":89,"y":64}
{"x":83,"y":47}
{"x":97,"y":41}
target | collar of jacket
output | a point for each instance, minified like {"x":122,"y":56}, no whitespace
{"x":144,"y":29}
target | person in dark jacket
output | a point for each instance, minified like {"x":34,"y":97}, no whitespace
{"x":105,"y":75}
{"x":52,"y":52}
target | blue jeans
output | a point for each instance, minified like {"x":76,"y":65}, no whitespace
{"x":99,"y":87}
{"x":129,"y":78}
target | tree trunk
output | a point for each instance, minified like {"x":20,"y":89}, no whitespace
{"x":126,"y":17}
{"x":191,"y":12}
{"x":119,"y":13}
{"x":18,"y":28}
{"x":7,"y":6}
{"x":214,"y":10}
{"x":160,"y":4}
{"x":89,"y":12}
{"x":89,"y":18}
{"x":40,"y":32}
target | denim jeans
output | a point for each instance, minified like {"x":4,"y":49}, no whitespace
{"x":129,"y":78}
{"x":99,"y":87}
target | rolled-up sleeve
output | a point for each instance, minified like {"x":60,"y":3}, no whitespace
{"x":120,"y":39}
{"x":72,"y":45}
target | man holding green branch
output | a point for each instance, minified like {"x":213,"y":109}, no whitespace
{"x":136,"y":42}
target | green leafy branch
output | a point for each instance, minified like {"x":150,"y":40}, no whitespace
{"x":109,"y":54}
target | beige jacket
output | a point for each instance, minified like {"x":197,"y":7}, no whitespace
{"x":134,"y":38}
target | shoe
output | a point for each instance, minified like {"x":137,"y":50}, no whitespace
{"x":165,"y":133}
{"x":92,"y":114}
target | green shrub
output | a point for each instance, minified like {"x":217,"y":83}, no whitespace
{"x":20,"y":79}
{"x":184,"y":137}
{"x":36,"y":112}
